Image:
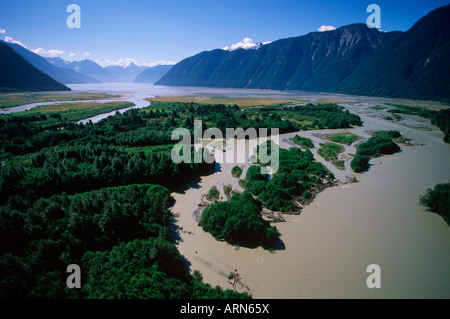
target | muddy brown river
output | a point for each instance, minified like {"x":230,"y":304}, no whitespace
{"x":327,"y":248}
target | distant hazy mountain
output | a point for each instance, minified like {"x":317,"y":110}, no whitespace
{"x":86,"y":71}
{"x":415,"y":65}
{"x":353,"y":59}
{"x":17,"y":74}
{"x":62,"y":75}
{"x":126,"y":74}
{"x":67,"y":68}
{"x":153,"y":74}
{"x":93,"y":69}
{"x":59,"y":62}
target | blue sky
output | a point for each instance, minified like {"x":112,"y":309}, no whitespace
{"x":116,"y":31}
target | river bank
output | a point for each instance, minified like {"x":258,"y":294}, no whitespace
{"x":324,"y":252}
{"x":327,"y":248}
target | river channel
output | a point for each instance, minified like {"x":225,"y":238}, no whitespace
{"x":326,"y":249}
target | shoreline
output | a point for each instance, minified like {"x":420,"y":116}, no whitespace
{"x":327,"y":247}
{"x":324,"y":225}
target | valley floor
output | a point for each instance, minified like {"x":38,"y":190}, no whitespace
{"x":327,"y":248}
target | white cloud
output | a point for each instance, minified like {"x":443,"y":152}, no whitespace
{"x":71,"y":55}
{"x":126,"y":62}
{"x":122,"y":62}
{"x":11,"y":40}
{"x":159,"y":62}
{"x":246,"y":43}
{"x":87,"y":54}
{"x":2,"y":31}
{"x":40,"y":51}
{"x":326,"y":28}
{"x":49,"y":53}
{"x":54,"y":53}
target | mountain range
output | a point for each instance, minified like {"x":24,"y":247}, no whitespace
{"x":62,"y":75}
{"x":415,"y":65}
{"x":108,"y":74}
{"x":126,"y":73}
{"x":91,"y":70}
{"x":17,"y":74}
{"x":86,"y":71}
{"x":315,"y":61}
{"x":353,"y":59}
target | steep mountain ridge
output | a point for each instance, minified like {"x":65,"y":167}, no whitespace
{"x":62,"y":75}
{"x":353,"y":59}
{"x":416,"y":65}
{"x":314,"y":61}
{"x":17,"y":74}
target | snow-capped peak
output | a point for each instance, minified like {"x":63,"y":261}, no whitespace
{"x":246,"y":44}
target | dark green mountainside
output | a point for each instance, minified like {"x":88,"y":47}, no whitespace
{"x":50,"y":67}
{"x":353,"y":59}
{"x":316,"y":61}
{"x":16,"y":74}
{"x":416,"y":65}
